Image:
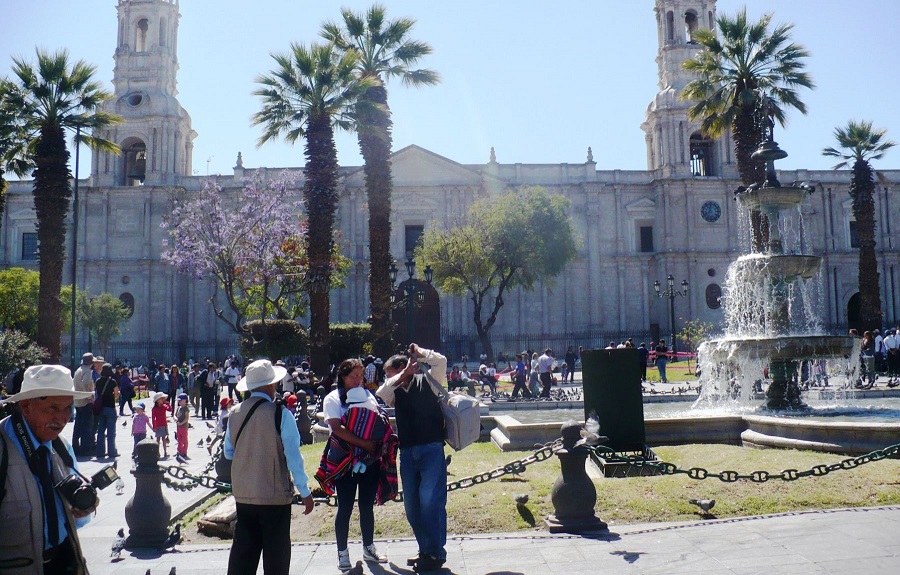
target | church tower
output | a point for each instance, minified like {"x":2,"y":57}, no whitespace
{"x":155,"y":136}
{"x":675,"y":144}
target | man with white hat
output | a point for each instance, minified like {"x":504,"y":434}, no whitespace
{"x":39,"y":524}
{"x":83,"y":433}
{"x":261,"y":436}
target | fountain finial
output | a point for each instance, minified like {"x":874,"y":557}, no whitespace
{"x":769,"y":151}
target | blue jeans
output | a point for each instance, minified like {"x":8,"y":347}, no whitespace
{"x":106,"y":427}
{"x":83,"y":433}
{"x":423,"y":472}
{"x":661,"y":366}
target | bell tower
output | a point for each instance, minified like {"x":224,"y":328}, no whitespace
{"x":675,"y":144}
{"x":155,"y":136}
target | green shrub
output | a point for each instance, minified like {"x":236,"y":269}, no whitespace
{"x":350,"y":340}
{"x":18,"y":351}
{"x":276,"y":339}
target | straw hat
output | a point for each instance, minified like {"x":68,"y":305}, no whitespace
{"x":157,"y":396}
{"x":47,"y":381}
{"x":261,"y":373}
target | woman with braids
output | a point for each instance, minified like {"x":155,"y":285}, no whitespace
{"x":360,"y":455}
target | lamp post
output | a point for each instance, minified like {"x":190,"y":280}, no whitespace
{"x":74,"y":246}
{"x":671,"y":293}
{"x":414,"y":294}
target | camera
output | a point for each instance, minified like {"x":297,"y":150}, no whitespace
{"x":82,"y":494}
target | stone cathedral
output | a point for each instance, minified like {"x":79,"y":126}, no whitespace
{"x":676,"y":217}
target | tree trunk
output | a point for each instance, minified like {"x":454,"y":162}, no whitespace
{"x":51,"y":204}
{"x":320,"y":196}
{"x":747,"y":134}
{"x":862,"y":187}
{"x":375,"y":145}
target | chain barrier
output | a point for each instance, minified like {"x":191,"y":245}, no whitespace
{"x":729,"y":476}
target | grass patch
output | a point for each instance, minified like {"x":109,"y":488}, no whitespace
{"x":489,"y":507}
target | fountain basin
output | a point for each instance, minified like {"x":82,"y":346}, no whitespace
{"x":772,"y":198}
{"x":783,"y":348}
{"x":786,"y":267}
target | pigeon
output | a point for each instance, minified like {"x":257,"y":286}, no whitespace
{"x":704,"y":504}
{"x":210,"y":425}
{"x":589,"y":434}
{"x":148,"y":572}
{"x":180,"y":459}
{"x":120,"y":486}
{"x":521,"y":498}
{"x":173,"y":539}
{"x":124,"y":422}
{"x":172,"y":570}
{"x":447,"y":459}
{"x":208,"y":440}
{"x":357,"y":570}
{"x":118,"y":545}
{"x":200,"y":443}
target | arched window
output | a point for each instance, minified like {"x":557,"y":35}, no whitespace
{"x":712,"y":23}
{"x":713,"y":296}
{"x":163,"y":36}
{"x":690,"y":25}
{"x":701,"y":155}
{"x":128,"y":301}
{"x":134,"y":162}
{"x":670,"y":27}
{"x":140,"y":40}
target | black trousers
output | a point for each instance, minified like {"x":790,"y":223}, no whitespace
{"x":208,"y":402}
{"x":61,"y":560}
{"x":346,"y":488}
{"x":547,"y":383}
{"x":261,"y":529}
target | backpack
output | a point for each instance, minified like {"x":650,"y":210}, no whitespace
{"x":462,"y":415}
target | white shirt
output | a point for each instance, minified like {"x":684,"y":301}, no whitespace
{"x":233,"y":374}
{"x":879,"y":344}
{"x":545,"y":363}
{"x":891,"y":342}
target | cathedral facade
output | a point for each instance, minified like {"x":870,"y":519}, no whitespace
{"x":676,"y":218}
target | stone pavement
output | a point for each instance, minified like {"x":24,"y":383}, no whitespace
{"x":835,"y":541}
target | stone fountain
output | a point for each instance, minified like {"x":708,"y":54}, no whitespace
{"x":769,"y":302}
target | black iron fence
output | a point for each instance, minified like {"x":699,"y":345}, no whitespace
{"x":142,"y":352}
{"x":455,"y":346}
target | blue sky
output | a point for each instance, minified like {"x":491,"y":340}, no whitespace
{"x":539,"y":81}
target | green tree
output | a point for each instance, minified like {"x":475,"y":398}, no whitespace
{"x":693,"y":333}
{"x":49,"y":98}
{"x":734,"y":77}
{"x":19,"y":292}
{"x":486,"y":256}
{"x":311,"y":93}
{"x":13,"y":144}
{"x":102,"y":316}
{"x":17,"y":351}
{"x":385,"y":51}
{"x":858,"y":144}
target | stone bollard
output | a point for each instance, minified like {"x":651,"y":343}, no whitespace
{"x":148,"y":512}
{"x":573,"y":494}
{"x":303,"y":422}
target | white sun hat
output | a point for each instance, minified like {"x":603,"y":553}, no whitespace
{"x":260,"y":373}
{"x":47,"y":381}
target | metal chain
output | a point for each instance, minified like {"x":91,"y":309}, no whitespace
{"x":699,"y":473}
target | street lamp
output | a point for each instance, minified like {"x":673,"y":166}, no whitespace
{"x":414,"y":293}
{"x":672,"y":293}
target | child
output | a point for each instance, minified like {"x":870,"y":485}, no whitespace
{"x":160,"y":414}
{"x":139,"y":423}
{"x":224,"y":411}
{"x":182,"y":416}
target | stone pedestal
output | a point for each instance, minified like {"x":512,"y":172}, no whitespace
{"x":148,"y":512}
{"x":573,"y":494}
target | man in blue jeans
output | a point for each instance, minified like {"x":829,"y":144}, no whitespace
{"x":420,"y":429}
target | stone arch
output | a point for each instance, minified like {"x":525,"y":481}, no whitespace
{"x":426,"y":316}
{"x":701,"y":152}
{"x":133,"y":162}
{"x":691,"y":24}
{"x":140,"y":35}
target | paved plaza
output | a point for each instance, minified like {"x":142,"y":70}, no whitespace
{"x":834,"y":541}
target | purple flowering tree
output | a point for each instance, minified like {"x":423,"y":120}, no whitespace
{"x":249,"y":242}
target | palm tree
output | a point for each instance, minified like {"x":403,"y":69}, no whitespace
{"x":385,"y":52}
{"x":309,"y":94}
{"x":50,"y":98}
{"x":734,"y":77}
{"x":13,"y":144}
{"x":859,"y":143}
